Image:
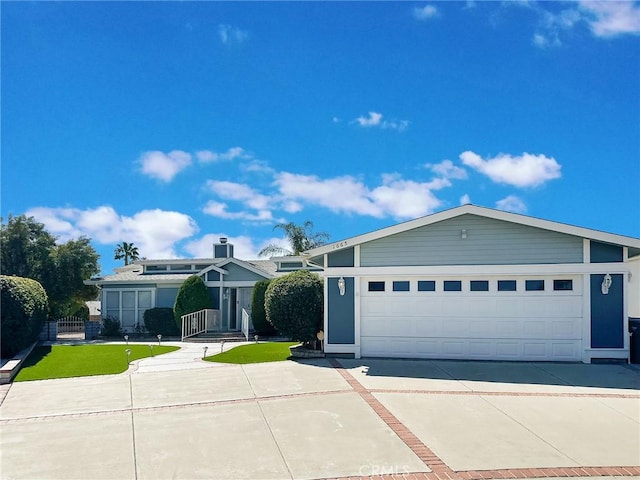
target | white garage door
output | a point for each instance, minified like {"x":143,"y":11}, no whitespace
{"x":505,"y":318}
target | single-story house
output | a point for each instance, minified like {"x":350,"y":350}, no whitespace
{"x":133,"y":289}
{"x":477,"y":283}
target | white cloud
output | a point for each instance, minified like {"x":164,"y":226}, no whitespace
{"x":164,"y":166}
{"x":230,"y":35}
{"x":426,"y":12}
{"x":526,"y":170}
{"x":155,"y":232}
{"x":511,"y":204}
{"x":447,"y":169}
{"x":396,"y":197}
{"x":610,"y":18}
{"x":220,"y":210}
{"x":243,"y":246}
{"x":208,"y":156}
{"x":465,"y":199}
{"x":239,"y":192}
{"x":541,"y":40}
{"x":375,"y":119}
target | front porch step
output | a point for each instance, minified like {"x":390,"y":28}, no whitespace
{"x":217,"y":337}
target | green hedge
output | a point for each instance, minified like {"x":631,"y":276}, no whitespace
{"x":192,"y":296}
{"x":258,"y":312}
{"x":24,"y":310}
{"x":160,"y":321}
{"x":294,"y":305}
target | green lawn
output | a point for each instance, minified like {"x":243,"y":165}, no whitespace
{"x":255,"y":353}
{"x":62,"y":361}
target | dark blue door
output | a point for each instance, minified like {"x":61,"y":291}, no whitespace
{"x":607,"y":313}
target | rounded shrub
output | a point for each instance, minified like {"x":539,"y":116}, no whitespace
{"x":160,"y":321}
{"x":192,"y":296}
{"x":24,"y":309}
{"x":294,"y":305}
{"x":258,"y":313}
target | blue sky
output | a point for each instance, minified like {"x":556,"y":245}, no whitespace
{"x":171,"y":124}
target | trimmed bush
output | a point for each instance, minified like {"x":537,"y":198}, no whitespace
{"x":24,"y":310}
{"x":110,"y":327}
{"x":258,"y":313}
{"x":160,"y":321}
{"x":294,"y":305}
{"x":192,"y":296}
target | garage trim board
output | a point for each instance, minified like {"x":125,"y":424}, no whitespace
{"x":477,"y":283}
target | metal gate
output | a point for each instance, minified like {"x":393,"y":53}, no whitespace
{"x":71,"y":328}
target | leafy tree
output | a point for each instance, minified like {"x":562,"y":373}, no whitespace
{"x":258,"y":313}
{"x":127,"y":251}
{"x":294,"y":305}
{"x":24,"y":309}
{"x":300,"y":237}
{"x":192,"y":296}
{"x":28,"y":250}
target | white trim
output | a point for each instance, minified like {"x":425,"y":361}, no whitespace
{"x":356,"y":256}
{"x":246,"y":266}
{"x":482,"y":270}
{"x":586,"y":250}
{"x":591,"y":354}
{"x":326,"y":313}
{"x":235,"y":284}
{"x":586,"y":316}
{"x":482,"y":212}
{"x":212,"y":267}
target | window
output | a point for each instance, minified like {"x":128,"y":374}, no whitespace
{"x":178,"y":267}
{"x":506,"y":285}
{"x":452,"y":286}
{"x":376,"y":286}
{"x":128,"y":306}
{"x":534,"y":285}
{"x":156,"y":268}
{"x":479,"y":285}
{"x":563,"y":284}
{"x":426,"y":286}
{"x":401,"y":286}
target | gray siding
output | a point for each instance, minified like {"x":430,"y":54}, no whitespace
{"x":166,"y":297}
{"x":488,"y":242}
{"x":604,"y":252}
{"x":238,"y":274}
{"x":341,"y":258}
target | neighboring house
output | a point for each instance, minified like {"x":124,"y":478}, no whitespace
{"x":133,"y":289}
{"x":477,"y":283}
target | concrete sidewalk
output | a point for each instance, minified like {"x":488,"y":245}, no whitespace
{"x":175,"y":416}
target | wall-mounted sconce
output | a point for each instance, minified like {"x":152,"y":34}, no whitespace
{"x":463,"y":233}
{"x":225,"y":295}
{"x":606,"y":284}
{"x":341,"y":286}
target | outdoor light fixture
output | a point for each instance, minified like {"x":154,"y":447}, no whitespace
{"x":151,"y":348}
{"x":159,"y":338}
{"x":126,"y":339}
{"x":463,"y":234}
{"x":128,"y":352}
{"x":341,"y":286}
{"x":221,"y":346}
{"x":255,"y":337}
{"x":606,"y":284}
{"x":204,"y":353}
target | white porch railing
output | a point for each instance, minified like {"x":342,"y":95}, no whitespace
{"x":246,"y":323}
{"x":202,"y":321}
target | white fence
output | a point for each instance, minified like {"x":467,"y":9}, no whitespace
{"x":246,"y":323}
{"x":70,"y":325}
{"x":202,"y":321}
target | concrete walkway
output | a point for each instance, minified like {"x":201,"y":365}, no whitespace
{"x":176,"y":416}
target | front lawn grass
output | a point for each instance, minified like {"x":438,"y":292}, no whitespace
{"x":255,"y":353}
{"x":62,"y":361}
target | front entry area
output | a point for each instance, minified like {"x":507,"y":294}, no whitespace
{"x":239,"y":299}
{"x":485,"y":318}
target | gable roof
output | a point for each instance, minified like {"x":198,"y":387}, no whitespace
{"x":633,"y":243}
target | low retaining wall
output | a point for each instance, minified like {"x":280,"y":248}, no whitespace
{"x":12,"y":367}
{"x":298,"y":351}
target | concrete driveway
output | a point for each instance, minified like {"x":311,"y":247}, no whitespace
{"x":177,"y":417}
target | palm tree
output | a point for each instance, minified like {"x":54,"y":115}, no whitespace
{"x":126,"y":251}
{"x":300,"y":237}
